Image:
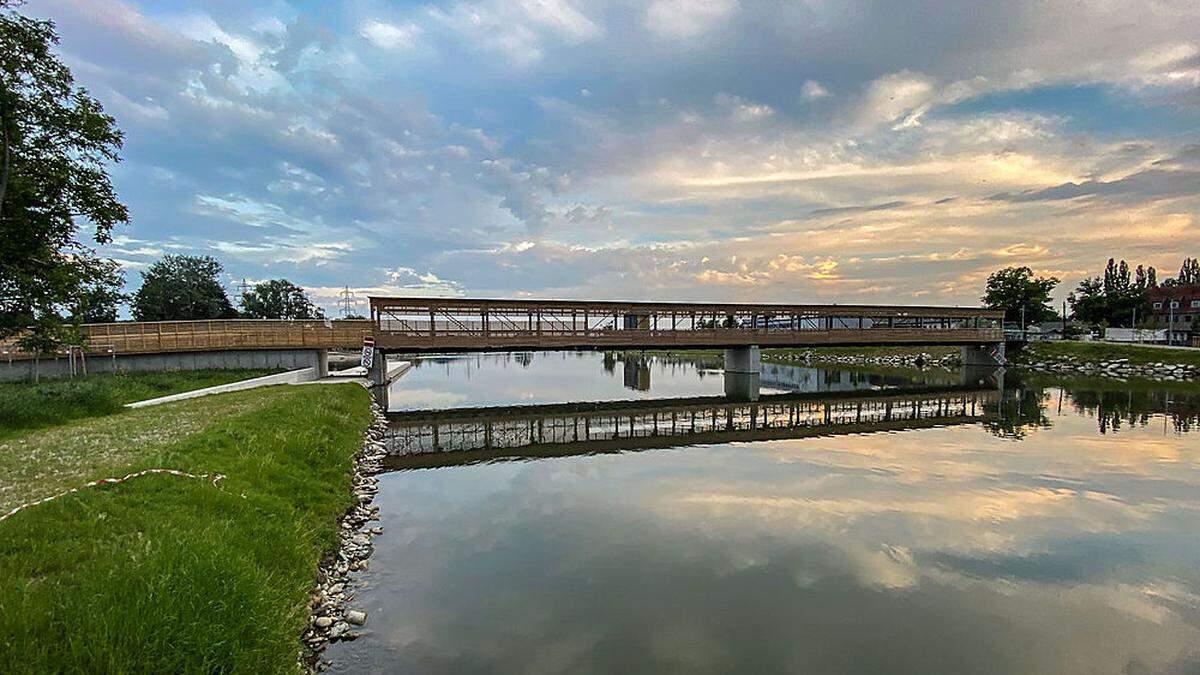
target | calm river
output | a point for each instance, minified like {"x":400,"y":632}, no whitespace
{"x":576,"y":513}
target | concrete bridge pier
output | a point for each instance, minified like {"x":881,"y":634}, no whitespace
{"x":984,"y":356}
{"x":378,"y":379}
{"x":743,"y":368}
{"x":322,"y":363}
{"x":377,"y":373}
{"x":743,"y":360}
{"x":986,"y":377}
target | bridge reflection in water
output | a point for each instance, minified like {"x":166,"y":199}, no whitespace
{"x":469,"y":436}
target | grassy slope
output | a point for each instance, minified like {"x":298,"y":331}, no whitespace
{"x":26,"y":405}
{"x":169,"y":574}
{"x":1102,"y":351}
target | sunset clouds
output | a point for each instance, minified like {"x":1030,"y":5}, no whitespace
{"x":667,"y":149}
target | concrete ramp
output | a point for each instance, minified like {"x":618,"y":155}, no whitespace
{"x":290,"y":377}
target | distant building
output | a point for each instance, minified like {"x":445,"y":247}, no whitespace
{"x":1053,"y":330}
{"x":1140,"y":335}
{"x":1176,"y":309}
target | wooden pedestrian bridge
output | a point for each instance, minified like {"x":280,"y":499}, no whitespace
{"x":430,"y":439}
{"x":416,"y":325}
{"x":455,"y":324}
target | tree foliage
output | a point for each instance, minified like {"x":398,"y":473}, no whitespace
{"x":55,"y":144}
{"x":278,"y":299}
{"x":1015,"y":288}
{"x":1189,"y":273}
{"x":99,"y":302}
{"x":1112,"y":299}
{"x":181,"y":287}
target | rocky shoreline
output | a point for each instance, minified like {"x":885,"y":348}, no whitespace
{"x":919,"y":360}
{"x":332,"y":618}
{"x":1115,"y":368}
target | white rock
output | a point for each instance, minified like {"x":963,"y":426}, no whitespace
{"x":356,"y":617}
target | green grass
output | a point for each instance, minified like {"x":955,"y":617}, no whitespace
{"x":169,"y":574}
{"x":29,"y":405}
{"x":1102,"y":351}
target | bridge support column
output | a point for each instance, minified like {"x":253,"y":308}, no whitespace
{"x":743,"y":367}
{"x":987,"y":356}
{"x":322,"y":363}
{"x":378,"y":371}
{"x":743,"y":360}
{"x":984,"y":377}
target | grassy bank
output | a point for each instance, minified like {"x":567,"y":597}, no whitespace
{"x":1095,"y":352}
{"x":170,"y":574}
{"x":29,"y":405}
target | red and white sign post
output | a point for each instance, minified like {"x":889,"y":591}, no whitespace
{"x":368,"y":352}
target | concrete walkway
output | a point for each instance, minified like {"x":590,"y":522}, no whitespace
{"x":299,"y":376}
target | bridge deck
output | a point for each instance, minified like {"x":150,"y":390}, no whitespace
{"x":456,"y":324}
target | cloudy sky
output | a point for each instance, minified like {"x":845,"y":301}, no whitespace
{"x":850,"y":151}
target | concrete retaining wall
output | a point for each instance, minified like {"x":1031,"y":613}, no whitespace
{"x":289,"y":359}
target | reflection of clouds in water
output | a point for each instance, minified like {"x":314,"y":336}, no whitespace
{"x":941,"y":550}
{"x":401,"y":397}
{"x":523,"y":586}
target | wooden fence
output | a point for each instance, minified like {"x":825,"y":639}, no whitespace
{"x":155,"y":337}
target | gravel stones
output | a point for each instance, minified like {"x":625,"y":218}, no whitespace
{"x":331,"y":619}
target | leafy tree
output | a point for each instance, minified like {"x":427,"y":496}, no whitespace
{"x":98,"y":302}
{"x":1189,"y":272}
{"x":180,"y":287}
{"x":278,"y":299}
{"x":1014,"y":288}
{"x":55,"y":142}
{"x":1088,"y":301}
{"x":1113,"y":299}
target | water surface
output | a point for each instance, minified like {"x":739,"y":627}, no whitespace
{"x":470,"y":380}
{"x":1053,"y":527}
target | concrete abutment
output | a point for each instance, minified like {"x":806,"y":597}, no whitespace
{"x":60,"y":367}
{"x":984,"y":355}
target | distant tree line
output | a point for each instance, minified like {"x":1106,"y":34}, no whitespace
{"x":1117,"y":297}
{"x":181,"y":287}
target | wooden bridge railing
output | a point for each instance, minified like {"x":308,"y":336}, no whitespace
{"x":151,"y":337}
{"x":462,"y":324}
